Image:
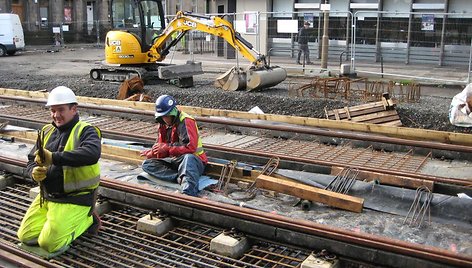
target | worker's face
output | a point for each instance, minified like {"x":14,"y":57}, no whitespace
{"x":168,"y":119}
{"x":62,"y":114}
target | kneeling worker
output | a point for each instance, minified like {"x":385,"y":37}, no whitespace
{"x":460,"y":111}
{"x":68,"y":172}
{"x":177,"y":155}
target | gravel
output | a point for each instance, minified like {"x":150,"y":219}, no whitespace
{"x":37,"y":73}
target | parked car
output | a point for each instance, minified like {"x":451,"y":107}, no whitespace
{"x":11,"y":34}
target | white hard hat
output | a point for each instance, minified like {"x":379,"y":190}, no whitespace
{"x":61,"y":95}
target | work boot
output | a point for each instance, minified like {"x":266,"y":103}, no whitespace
{"x":96,"y":225}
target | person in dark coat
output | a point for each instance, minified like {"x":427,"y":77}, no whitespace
{"x":303,"y":44}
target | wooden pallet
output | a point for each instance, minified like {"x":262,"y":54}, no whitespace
{"x":380,"y":112}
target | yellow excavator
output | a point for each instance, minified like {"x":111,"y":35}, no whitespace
{"x":140,"y":41}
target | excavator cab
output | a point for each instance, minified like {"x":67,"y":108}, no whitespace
{"x":135,"y":25}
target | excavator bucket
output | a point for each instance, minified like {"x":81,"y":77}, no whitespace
{"x":253,"y":79}
{"x":232,"y":80}
{"x":264,"y":78}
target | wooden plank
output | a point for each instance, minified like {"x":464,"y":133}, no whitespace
{"x":403,"y":132}
{"x":383,"y":120}
{"x":347,"y":113}
{"x":373,"y":116}
{"x":307,"y":192}
{"x":396,"y":123}
{"x":385,"y":103}
{"x":401,"y":181}
{"x":361,"y":107}
{"x":342,"y":112}
{"x":336,"y":115}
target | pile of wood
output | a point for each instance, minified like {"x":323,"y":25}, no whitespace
{"x":380,"y":112}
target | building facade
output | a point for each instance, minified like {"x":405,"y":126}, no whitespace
{"x":399,"y":30}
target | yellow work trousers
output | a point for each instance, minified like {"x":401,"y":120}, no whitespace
{"x":54,"y":225}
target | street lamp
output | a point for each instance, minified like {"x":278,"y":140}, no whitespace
{"x":325,"y":40}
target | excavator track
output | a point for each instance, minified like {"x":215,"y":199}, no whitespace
{"x":118,"y":74}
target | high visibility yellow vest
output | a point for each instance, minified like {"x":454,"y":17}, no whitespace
{"x":81,"y":178}
{"x":199,"y":150}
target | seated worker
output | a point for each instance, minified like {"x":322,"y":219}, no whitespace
{"x":177,"y":155}
{"x":68,"y":174}
{"x":461,"y":106}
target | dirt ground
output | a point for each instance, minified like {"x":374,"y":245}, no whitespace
{"x":46,"y":68}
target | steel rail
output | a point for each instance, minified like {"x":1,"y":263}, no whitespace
{"x":462,"y":148}
{"x":310,"y":161}
{"x":304,"y":226}
{"x":291,"y":128}
{"x":298,"y":225}
{"x":7,"y":250}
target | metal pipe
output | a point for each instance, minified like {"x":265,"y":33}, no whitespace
{"x":325,"y":45}
{"x":338,"y":134}
{"x":296,"y":129}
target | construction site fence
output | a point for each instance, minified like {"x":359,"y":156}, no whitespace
{"x":375,"y":42}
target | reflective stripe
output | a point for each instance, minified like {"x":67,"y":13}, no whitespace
{"x":77,"y":178}
{"x":77,"y":185}
{"x":46,"y":132}
{"x":199,"y":149}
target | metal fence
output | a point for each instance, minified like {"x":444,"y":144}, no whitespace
{"x":414,"y":46}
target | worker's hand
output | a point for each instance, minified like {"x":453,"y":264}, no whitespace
{"x":39,"y":173}
{"x":47,"y":158}
{"x":147,"y":153}
{"x":161,"y":150}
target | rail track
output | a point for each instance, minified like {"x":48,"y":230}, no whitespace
{"x":187,"y":245}
{"x":119,"y":244}
{"x":138,"y":125}
{"x":196,"y":222}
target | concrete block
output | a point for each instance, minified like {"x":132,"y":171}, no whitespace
{"x":314,"y":262}
{"x":228,"y":246}
{"x":154,"y":225}
{"x":102,"y":207}
{"x":33,"y":192}
{"x":6,"y":180}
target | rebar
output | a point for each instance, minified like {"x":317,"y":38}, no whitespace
{"x":420,"y":207}
{"x":225,"y":176}
{"x":344,"y":181}
{"x":269,"y":168}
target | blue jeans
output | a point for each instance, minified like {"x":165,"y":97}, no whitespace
{"x":187,"y":168}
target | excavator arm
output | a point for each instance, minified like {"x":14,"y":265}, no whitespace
{"x":184,"y":22}
{"x":141,"y":40}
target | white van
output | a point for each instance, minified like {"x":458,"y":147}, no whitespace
{"x":11,"y":34}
